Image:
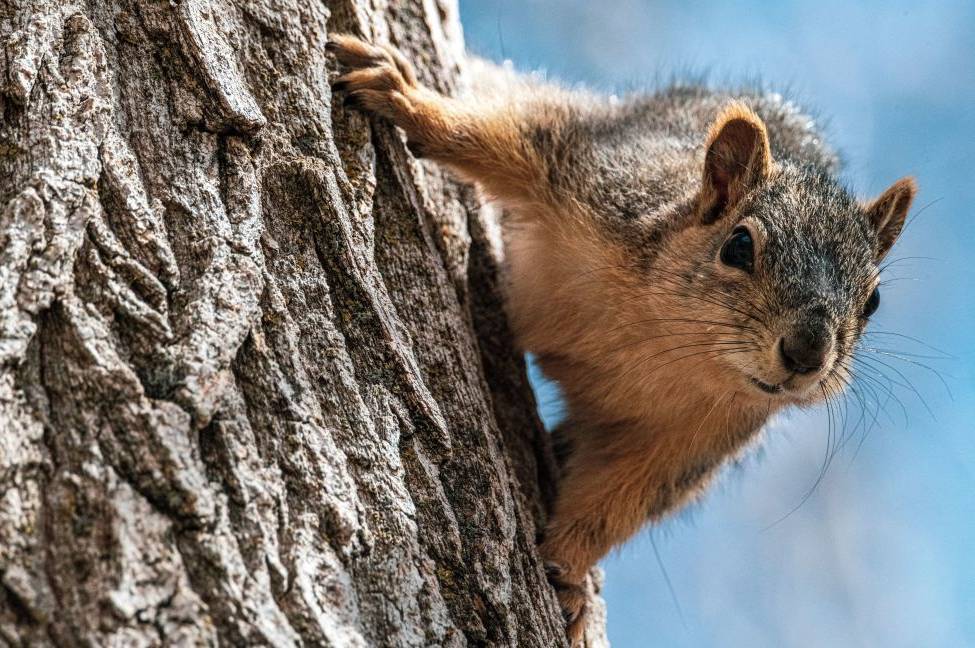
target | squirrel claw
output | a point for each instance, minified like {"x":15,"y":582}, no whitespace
{"x":376,"y":80}
{"x":573,"y":600}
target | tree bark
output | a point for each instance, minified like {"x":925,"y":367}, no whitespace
{"x":256,"y":384}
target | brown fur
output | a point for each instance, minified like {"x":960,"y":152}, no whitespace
{"x":656,"y":395}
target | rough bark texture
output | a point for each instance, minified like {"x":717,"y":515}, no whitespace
{"x":256,"y":386}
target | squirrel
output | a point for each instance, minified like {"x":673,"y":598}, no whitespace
{"x":683,"y":264}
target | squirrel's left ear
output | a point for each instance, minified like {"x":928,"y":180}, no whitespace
{"x":738,"y":158}
{"x":888,"y":212}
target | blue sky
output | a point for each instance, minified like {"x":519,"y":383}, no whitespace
{"x":881,"y":554}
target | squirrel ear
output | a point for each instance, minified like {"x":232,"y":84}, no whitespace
{"x":738,"y":158}
{"x":888,"y":212}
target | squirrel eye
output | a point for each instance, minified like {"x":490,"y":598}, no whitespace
{"x":873,"y":303}
{"x":738,"y":251}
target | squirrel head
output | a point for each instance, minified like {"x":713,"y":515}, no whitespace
{"x":780,"y":263}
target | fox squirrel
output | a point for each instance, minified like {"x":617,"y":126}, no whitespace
{"x":684,"y":265}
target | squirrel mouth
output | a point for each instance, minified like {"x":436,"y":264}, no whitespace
{"x":765,"y":387}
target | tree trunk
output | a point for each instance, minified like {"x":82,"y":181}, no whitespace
{"x":256,"y":384}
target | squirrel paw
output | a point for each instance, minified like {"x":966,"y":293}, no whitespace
{"x":573,"y":599}
{"x":379,"y":81}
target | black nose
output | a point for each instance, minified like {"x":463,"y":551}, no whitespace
{"x":806,"y":350}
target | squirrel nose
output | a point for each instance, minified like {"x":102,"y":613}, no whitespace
{"x":805,"y":351}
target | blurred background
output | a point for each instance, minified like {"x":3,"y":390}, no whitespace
{"x":881,"y":552}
